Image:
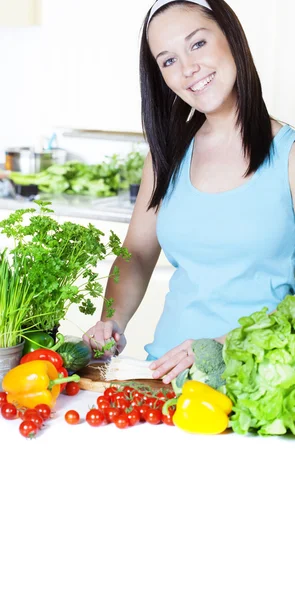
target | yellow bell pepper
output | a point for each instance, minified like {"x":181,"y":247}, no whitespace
{"x":205,"y":392}
{"x":35,"y":382}
{"x":200,"y":409}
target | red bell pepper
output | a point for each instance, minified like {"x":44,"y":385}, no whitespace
{"x":63,"y":373}
{"x":51,"y":356}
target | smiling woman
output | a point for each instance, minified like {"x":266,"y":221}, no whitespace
{"x":203,"y":70}
{"x":217,"y":187}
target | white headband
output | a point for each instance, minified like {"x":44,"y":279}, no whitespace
{"x":159,"y":3}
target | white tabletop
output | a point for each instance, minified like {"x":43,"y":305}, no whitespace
{"x":145,"y":513}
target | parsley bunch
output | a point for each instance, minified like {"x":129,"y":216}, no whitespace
{"x":59,"y":262}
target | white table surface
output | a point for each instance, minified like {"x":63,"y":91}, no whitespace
{"x":145,"y":513}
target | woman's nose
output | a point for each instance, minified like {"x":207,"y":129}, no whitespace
{"x":189,"y":68}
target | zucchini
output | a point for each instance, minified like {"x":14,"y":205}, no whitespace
{"x":75,"y":353}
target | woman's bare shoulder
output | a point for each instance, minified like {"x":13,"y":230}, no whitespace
{"x":275,"y":127}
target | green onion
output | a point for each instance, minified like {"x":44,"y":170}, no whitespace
{"x":15,"y":299}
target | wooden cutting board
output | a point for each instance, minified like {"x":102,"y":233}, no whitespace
{"x":92,"y":379}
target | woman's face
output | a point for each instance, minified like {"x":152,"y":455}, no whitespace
{"x":194,"y":58}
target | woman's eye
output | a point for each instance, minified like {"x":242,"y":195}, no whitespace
{"x":168,"y":62}
{"x":199,"y":44}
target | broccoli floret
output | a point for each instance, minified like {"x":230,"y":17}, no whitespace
{"x":207,"y":368}
{"x":209,"y":364}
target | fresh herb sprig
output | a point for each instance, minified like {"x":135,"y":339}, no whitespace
{"x":98,"y":352}
{"x":59,"y":260}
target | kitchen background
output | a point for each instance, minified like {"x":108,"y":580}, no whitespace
{"x":70,"y":68}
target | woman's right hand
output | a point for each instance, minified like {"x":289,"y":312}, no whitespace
{"x":101,"y":333}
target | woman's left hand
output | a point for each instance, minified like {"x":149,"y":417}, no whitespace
{"x":173,"y":362}
{"x":176,"y":360}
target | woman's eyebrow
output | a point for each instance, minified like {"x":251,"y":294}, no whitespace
{"x":190,"y":35}
{"x":187,"y":38}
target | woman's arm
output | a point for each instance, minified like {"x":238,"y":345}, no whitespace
{"x":142,"y":243}
{"x":127,"y":294}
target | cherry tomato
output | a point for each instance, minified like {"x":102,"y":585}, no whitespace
{"x":28,"y":429}
{"x":135,"y":402}
{"x":167,"y":419}
{"x":111,"y":413}
{"x":44,"y":411}
{"x":120,"y":401}
{"x":127,"y":391}
{"x":153,"y":416}
{"x":158,"y":404}
{"x":101,"y":397}
{"x":154,"y":402}
{"x":168,"y":395}
{"x":103,"y":403}
{"x":133,"y":416}
{"x":109,"y":392}
{"x":9,"y":411}
{"x":121,"y":421}
{"x":63,"y":373}
{"x":72,"y":417}
{"x":72,"y":388}
{"x":3,"y":398}
{"x":95,"y":417}
{"x":143,"y":408}
{"x":137,"y":397}
{"x":32,"y":415}
{"x":140,"y":398}
{"x":118,"y":396}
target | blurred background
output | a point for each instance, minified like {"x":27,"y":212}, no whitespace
{"x":71,"y":67}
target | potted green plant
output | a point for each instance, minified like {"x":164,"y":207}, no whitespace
{"x":131,"y":173}
{"x":16,"y":296}
{"x":58,"y":261}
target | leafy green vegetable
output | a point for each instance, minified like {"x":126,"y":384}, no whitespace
{"x":74,"y":177}
{"x":131,"y":171}
{"x":260,"y":371}
{"x":58,"y":261}
{"x":207,"y":368}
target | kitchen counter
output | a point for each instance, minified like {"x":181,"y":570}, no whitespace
{"x":116,"y":209}
{"x":145,"y":513}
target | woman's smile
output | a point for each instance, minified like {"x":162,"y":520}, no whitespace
{"x":201,"y":85}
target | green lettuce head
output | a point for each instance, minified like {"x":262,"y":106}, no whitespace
{"x":260,"y":371}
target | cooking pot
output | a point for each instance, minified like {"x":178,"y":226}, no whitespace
{"x":26,"y":160}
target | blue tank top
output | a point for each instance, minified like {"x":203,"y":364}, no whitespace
{"x":233,"y":251}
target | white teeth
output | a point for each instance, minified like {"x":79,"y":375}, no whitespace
{"x":199,"y":86}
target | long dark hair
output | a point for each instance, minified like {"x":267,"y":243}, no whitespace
{"x":164,"y":115}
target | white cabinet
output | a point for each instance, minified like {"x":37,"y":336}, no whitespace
{"x":93,"y":65}
{"x":19,"y":13}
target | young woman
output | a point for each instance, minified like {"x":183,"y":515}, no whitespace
{"x":217,"y":187}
